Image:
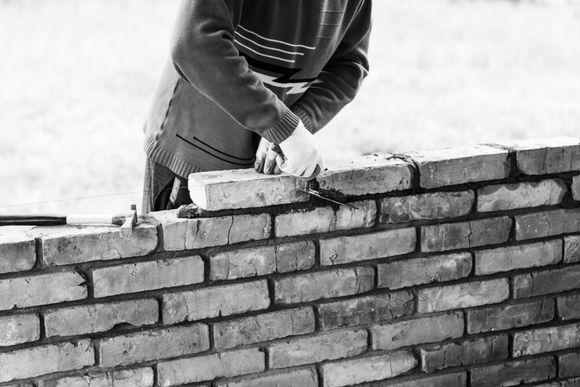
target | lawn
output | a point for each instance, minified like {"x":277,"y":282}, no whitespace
{"x":76,"y":78}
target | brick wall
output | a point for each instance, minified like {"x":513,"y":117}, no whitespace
{"x":458,"y":267}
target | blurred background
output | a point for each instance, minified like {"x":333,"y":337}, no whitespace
{"x":76,"y":78}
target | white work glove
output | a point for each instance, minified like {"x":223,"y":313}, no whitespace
{"x":301,"y":154}
{"x":266,"y":158}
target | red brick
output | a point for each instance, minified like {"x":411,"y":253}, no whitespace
{"x":546,"y":282}
{"x":547,"y":223}
{"x":210,"y":367}
{"x":467,"y":352}
{"x":569,"y":365}
{"x":546,"y":340}
{"x":141,"y":377}
{"x":368,"y":175}
{"x":437,"y":205}
{"x":504,"y":197}
{"x":153,"y":345}
{"x":263,"y":327}
{"x":417,"y":331}
{"x":572,"y":249}
{"x":510,"y":316}
{"x":448,"y":380}
{"x":451,"y":166}
{"x":24,"y":292}
{"x":514,"y":373}
{"x":48,"y":359}
{"x":569,"y":307}
{"x":464,"y":295}
{"x":367,"y":246}
{"x":326,"y":219}
{"x":365,"y":310}
{"x":325,"y":284}
{"x":518,"y":257}
{"x":95,"y":318}
{"x":576,"y":188}
{"x":410,"y":272}
{"x":215,"y":301}
{"x":462,"y":235}
{"x":324,"y":346}
{"x":296,"y":378}
{"x":258,"y":261}
{"x":143,"y":276}
{"x":367,"y":369}
{"x":17,"y":252}
{"x":18,"y":329}
{"x":243,"y":188}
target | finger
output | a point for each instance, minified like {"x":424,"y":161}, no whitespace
{"x":308,"y":171}
{"x":270,"y":162}
{"x":312,"y":175}
{"x":284,"y":165}
{"x":259,"y":163}
{"x":277,"y":170}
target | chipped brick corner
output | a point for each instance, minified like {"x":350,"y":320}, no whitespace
{"x":453,"y":267}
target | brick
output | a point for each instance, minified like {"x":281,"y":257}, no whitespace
{"x":263,"y":327}
{"x":575,"y":188}
{"x":510,"y":316}
{"x":24,"y":292}
{"x":405,"y":273}
{"x":325,"y":284}
{"x":188,"y":234}
{"x":548,"y":223}
{"x":546,"y":155}
{"x":464,"y":295}
{"x":429,"y":206}
{"x":546,"y":282}
{"x":514,"y":373}
{"x":326,"y":219}
{"x":71,"y":245}
{"x":206,"y":368}
{"x":569,"y":365}
{"x":365,"y":310}
{"x":37,"y":361}
{"x":368,"y":246}
{"x":368,"y":175}
{"x":85,"y":319}
{"x":574,"y":382}
{"x":243,"y":188}
{"x":215,"y":301}
{"x":462,"y":235}
{"x":448,"y":380}
{"x":153,"y":345}
{"x":466,"y":352}
{"x":418,"y":331}
{"x":142,"y":276}
{"x":368,"y":369}
{"x":142,"y":377}
{"x":518,"y":257}
{"x":302,"y":378}
{"x":17,"y":252}
{"x":569,"y":307}
{"x":504,"y":197}
{"x":258,"y":261}
{"x":451,"y":166}
{"x":18,"y":329}
{"x":546,"y":340}
{"x":324,"y":346}
{"x":572,"y":249}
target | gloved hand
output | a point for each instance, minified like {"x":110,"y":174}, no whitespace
{"x":266,"y":158}
{"x":301,"y":154}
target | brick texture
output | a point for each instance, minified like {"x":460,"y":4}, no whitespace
{"x":572,"y":249}
{"x":520,"y":195}
{"x":548,"y":223}
{"x":18,"y":329}
{"x":382,"y":244}
{"x":326,"y":284}
{"x":438,"y":205}
{"x":302,"y":378}
{"x":451,"y":236}
{"x":518,"y":257}
{"x":144,"y":276}
{"x":546,"y":340}
{"x":510,"y":316}
{"x":418,"y":271}
{"x":17,"y":253}
{"x":576,"y":188}
{"x":142,"y":377}
{"x":569,"y":307}
{"x":215,"y":301}
{"x":448,"y":380}
{"x":546,"y":282}
{"x":207,"y":368}
{"x":29,"y":291}
{"x":260,"y":261}
{"x":95,"y":318}
{"x":514,"y":373}
{"x":569,"y":365}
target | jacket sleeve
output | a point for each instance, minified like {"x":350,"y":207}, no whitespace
{"x":204,"y":54}
{"x":341,"y":78}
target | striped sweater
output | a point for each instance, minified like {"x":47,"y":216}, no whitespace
{"x":240,"y":69}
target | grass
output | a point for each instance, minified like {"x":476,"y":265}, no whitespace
{"x":76,"y":79}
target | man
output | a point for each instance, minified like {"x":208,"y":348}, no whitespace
{"x":246,"y":74}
